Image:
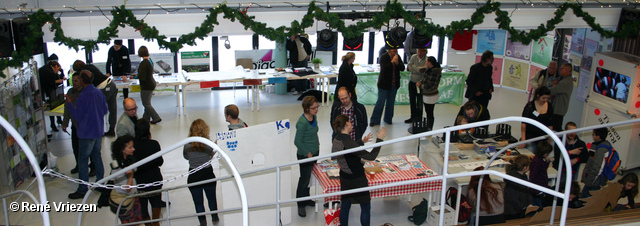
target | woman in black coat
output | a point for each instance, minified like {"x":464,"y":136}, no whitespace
{"x":149,"y":172}
{"x":347,"y":76}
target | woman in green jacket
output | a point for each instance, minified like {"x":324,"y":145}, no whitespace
{"x":308,"y":146}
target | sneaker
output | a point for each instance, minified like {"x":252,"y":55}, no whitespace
{"x":156,"y":122}
{"x":302,"y":212}
{"x":296,"y":92}
{"x":74,"y":170}
{"x":110,"y":133}
{"x":76,"y":195}
{"x":408,"y":121}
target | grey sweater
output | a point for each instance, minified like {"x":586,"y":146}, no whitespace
{"x":562,"y":95}
{"x":414,"y":66}
{"x":196,"y":158}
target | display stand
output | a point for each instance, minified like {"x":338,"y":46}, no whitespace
{"x":252,"y":148}
{"x":614,"y":95}
{"x":21,"y":105}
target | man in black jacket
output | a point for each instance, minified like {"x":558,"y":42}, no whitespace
{"x":355,"y":111}
{"x":299,"y":53}
{"x":480,"y":82}
{"x":118,"y":62}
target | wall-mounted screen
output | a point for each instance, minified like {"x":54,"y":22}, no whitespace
{"x":611,"y":84}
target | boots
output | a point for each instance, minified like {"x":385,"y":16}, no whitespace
{"x":156,"y":213}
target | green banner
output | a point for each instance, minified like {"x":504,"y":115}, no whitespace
{"x":451,"y":88}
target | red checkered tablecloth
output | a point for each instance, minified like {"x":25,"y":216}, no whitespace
{"x":333,"y":185}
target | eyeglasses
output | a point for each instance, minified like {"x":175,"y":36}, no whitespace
{"x":314,"y":108}
{"x":132,"y":109}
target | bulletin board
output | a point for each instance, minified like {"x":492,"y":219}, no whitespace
{"x":253,"y":148}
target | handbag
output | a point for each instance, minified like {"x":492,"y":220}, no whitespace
{"x":116,"y":198}
{"x":332,"y":216}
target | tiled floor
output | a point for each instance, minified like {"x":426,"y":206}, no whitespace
{"x":209,"y":106}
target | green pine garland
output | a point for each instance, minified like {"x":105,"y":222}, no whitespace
{"x":123,"y":17}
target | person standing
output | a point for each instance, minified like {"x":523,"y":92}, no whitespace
{"x":591,"y":174}
{"x":418,"y":68}
{"x":429,"y":89}
{"x":147,"y":85}
{"x":480,"y":82}
{"x":119,"y":63}
{"x":73,"y":95}
{"x":577,"y":149}
{"x":108,"y":88}
{"x":89,"y":110}
{"x":388,"y":83}
{"x":561,"y":92}
{"x":356,"y":112}
{"x":50,"y":78}
{"x":540,"y":110}
{"x":149,"y":172}
{"x":308,"y":145}
{"x":543,"y":77}
{"x":347,"y":76}
{"x":198,"y":154}
{"x":352,"y":175}
{"x":299,"y":53}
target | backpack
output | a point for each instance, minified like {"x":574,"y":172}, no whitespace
{"x":452,"y":196}
{"x":611,"y":162}
{"x":420,"y":212}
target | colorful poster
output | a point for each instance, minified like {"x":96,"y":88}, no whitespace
{"x":577,"y":40}
{"x":583,"y":85}
{"x":492,"y":40}
{"x":515,"y":74}
{"x":542,"y":50}
{"x":575,"y":61}
{"x":590,"y":48}
{"x":566,"y":48}
{"x":517,"y":50}
{"x":262,"y":58}
{"x":451,"y":88}
{"x":162,"y":62}
{"x":497,"y":69}
{"x":195,"y":61}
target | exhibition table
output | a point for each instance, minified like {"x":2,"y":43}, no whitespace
{"x":174,"y":79}
{"x":434,"y":156}
{"x":333,"y":185}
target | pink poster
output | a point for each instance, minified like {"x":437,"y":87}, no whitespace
{"x":533,"y":71}
{"x":497,"y":69}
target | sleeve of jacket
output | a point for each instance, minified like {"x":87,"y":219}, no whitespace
{"x":297,"y":141}
{"x":307,"y":45}
{"x":143,"y":70}
{"x":335,"y":111}
{"x":413,"y":66}
{"x":401,"y":66}
{"x":369,"y":155}
{"x":472,"y":82}
{"x":110,"y":56}
{"x":290,"y":45}
{"x":362,"y":122}
{"x":534,"y":80}
{"x":584,"y":152}
{"x":126,"y":63}
{"x":385,"y":61}
{"x":566,"y":84}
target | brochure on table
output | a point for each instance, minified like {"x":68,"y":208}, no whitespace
{"x":251,"y":148}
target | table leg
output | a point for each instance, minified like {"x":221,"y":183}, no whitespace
{"x":177,"y":91}
{"x":247,"y":94}
{"x":257,"y":92}
{"x":184,"y":101}
{"x":252,"y":99}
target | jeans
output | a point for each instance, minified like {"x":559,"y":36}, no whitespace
{"x":198,"y":199}
{"x":365,"y":213}
{"x":111,"y":93}
{"x":149,"y":112}
{"x":89,"y":148}
{"x":388,"y":96}
{"x":415,"y":102}
{"x":75,"y":145}
{"x":303,"y":181}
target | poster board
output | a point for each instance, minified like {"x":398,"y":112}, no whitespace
{"x":194,"y":61}
{"x":492,"y":40}
{"x":252,"y":148}
{"x":517,"y":50}
{"x":515,"y":74}
{"x":162,"y":62}
{"x":261,"y":58}
{"x":542,"y":50}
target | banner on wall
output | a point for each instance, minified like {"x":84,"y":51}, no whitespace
{"x":492,"y":40}
{"x":517,"y":50}
{"x":262,"y":58}
{"x":604,"y":44}
{"x":583,"y":85}
{"x":577,"y":40}
{"x":451,"y":88}
{"x":162,"y":62}
{"x":195,"y":61}
{"x":496,"y":76}
{"x":515,"y":74}
{"x":542,"y":50}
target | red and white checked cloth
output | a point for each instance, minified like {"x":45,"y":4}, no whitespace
{"x":330,"y":186}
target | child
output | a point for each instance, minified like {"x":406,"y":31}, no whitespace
{"x":538,"y":175}
{"x":516,"y":196}
{"x":491,"y":199}
{"x":630,"y":190}
{"x":591,"y":175}
{"x":461,"y":120}
{"x":577,"y":149}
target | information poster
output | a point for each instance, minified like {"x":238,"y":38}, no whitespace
{"x":515,"y":74}
{"x":566,"y":48}
{"x":496,"y":76}
{"x":575,"y":71}
{"x":195,"y":61}
{"x":577,"y":40}
{"x":589,"y":50}
{"x":262,"y":58}
{"x":517,"y":50}
{"x":542,"y":50}
{"x":162,"y":62}
{"x":492,"y":40}
{"x":583,"y":85}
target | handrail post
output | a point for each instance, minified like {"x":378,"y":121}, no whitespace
{"x":445,"y":173}
{"x":278,"y":196}
{"x":168,"y":209}
{"x":4,"y":209}
{"x":558,"y":180}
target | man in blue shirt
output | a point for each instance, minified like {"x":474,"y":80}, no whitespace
{"x":88,"y":110}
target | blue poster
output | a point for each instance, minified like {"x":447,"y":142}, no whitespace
{"x":492,"y":40}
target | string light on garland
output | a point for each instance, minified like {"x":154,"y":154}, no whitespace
{"x":124,"y":17}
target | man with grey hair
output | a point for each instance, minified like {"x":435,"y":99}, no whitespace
{"x":561,"y":91}
{"x":127,"y":122}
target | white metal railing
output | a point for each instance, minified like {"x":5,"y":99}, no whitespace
{"x":36,"y":169}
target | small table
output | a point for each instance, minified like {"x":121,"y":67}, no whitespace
{"x":333,"y":185}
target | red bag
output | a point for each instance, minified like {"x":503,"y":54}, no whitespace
{"x":332,"y":216}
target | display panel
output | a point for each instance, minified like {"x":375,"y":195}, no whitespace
{"x":611,"y":84}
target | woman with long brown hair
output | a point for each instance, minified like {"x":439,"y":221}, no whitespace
{"x":491,"y":199}
{"x":197,"y":153}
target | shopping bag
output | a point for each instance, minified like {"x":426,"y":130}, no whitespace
{"x":332,"y":216}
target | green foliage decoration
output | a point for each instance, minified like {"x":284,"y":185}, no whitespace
{"x":122,"y":17}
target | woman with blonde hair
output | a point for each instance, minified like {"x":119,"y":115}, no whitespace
{"x":197,"y":153}
{"x":347,"y":76}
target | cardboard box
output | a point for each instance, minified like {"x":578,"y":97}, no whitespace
{"x":434,"y":215}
